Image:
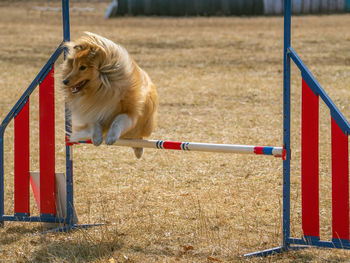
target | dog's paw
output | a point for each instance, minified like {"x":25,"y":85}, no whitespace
{"x":113,"y":135}
{"x":97,"y":139}
{"x":138,"y":152}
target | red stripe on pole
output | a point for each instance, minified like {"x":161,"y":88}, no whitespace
{"x":340,"y":183}
{"x":47,"y":144}
{"x":172,"y":145}
{"x":309,"y":162}
{"x":259,"y":150}
{"x":21,"y":160}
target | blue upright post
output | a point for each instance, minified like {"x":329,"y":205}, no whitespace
{"x":69,"y":150}
{"x":286,"y":123}
{"x":66,"y":24}
{"x":286,"y":138}
{"x":70,"y":215}
{"x":1,"y":176}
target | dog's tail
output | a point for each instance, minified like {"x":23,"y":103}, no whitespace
{"x":138,"y":152}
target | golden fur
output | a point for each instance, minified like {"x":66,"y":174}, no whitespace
{"x":108,"y":94}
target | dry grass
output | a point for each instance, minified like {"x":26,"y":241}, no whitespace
{"x":219,"y":80}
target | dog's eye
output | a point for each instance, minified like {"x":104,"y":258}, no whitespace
{"x":82,"y":68}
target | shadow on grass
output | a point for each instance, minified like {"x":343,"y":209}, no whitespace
{"x":15,"y":233}
{"x":86,"y":249}
{"x":22,"y":230}
{"x":156,"y":252}
{"x":74,"y":251}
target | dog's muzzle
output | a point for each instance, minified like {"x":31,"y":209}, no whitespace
{"x":76,"y":88}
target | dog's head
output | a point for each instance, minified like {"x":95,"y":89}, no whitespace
{"x":96,"y":66}
{"x":80,"y":68}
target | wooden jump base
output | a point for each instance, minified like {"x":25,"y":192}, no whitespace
{"x":195,"y":146}
{"x":312,"y":92}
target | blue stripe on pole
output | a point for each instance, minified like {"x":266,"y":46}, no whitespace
{"x":267,"y":150}
{"x":184,"y":146}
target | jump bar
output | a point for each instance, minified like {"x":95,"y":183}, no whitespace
{"x":193,"y":146}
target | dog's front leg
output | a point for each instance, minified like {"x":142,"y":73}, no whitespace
{"x":121,"y":124}
{"x":97,"y":134}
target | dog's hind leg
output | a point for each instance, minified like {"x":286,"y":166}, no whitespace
{"x":121,"y":124}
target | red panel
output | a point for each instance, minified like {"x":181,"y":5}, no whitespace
{"x":309,"y":162}
{"x":47,"y":145}
{"x":21,"y":160}
{"x":172,"y":145}
{"x":340,"y":183}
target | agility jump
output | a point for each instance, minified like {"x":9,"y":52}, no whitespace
{"x":196,"y":147}
{"x":311,"y":92}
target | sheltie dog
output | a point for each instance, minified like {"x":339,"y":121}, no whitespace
{"x":108,"y":94}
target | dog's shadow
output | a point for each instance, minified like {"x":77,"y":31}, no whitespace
{"x":16,"y":233}
{"x":88,"y":251}
{"x":74,"y":251}
{"x":62,"y":247}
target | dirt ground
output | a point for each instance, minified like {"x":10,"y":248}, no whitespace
{"x":219,"y":80}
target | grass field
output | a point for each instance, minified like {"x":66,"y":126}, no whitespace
{"x":219,"y":80}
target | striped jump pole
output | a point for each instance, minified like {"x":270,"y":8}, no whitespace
{"x":195,"y":146}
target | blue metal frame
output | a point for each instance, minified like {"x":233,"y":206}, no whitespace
{"x":318,"y":90}
{"x":288,"y":54}
{"x":12,"y":114}
{"x":68,"y":222}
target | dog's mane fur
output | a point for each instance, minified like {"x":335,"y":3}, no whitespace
{"x":116,"y":65}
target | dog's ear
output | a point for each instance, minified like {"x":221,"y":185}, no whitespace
{"x":93,"y":51}
{"x":69,"y":46}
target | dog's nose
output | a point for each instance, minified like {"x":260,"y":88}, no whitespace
{"x":65,"y":81}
